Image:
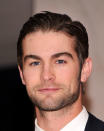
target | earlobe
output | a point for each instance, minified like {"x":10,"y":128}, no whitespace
{"x":86,"y":70}
{"x":21,"y":75}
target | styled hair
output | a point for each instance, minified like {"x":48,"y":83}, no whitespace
{"x":49,"y":21}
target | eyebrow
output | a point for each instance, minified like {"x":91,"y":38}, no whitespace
{"x":31,"y":57}
{"x":62,"y":54}
{"x":53,"y":56}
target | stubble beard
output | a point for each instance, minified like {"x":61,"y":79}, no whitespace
{"x":51,"y":103}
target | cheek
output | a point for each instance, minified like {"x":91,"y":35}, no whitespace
{"x":31,"y":77}
{"x":66,"y":73}
{"x":67,"y":76}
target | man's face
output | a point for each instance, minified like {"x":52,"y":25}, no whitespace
{"x":51,"y":70}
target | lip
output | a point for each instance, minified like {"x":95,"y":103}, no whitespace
{"x":48,"y":90}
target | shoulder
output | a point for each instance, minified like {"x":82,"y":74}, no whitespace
{"x":94,"y":123}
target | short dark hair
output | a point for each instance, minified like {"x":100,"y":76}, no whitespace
{"x":49,"y":21}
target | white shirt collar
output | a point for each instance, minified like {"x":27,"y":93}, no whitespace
{"x":37,"y":128}
{"x":77,"y":124}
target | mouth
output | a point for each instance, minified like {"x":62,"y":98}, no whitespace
{"x":48,"y":90}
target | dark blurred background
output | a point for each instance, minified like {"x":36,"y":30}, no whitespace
{"x":16,"y":110}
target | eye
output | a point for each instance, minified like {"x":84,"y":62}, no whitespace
{"x":60,"y":62}
{"x":36,"y":63}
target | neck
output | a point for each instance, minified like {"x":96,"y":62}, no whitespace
{"x":55,"y":120}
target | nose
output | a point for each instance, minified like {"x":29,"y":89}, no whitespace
{"x":48,"y":73}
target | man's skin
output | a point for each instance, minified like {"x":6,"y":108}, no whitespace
{"x":52,"y":75}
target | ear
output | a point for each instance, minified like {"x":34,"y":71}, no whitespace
{"x":86,"y":70}
{"x":21,"y":75}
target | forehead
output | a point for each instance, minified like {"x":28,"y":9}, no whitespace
{"x":49,"y":42}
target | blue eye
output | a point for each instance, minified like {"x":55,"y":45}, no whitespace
{"x":60,"y":61}
{"x":36,"y":63}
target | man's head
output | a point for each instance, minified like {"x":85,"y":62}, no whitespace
{"x":53,"y":60}
{"x":47,"y":21}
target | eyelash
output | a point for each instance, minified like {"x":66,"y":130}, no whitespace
{"x":61,"y":62}
{"x":36,"y":63}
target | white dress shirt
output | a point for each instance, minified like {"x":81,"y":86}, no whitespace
{"x":77,"y":124}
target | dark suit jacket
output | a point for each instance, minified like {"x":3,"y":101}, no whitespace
{"x":94,"y":124}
